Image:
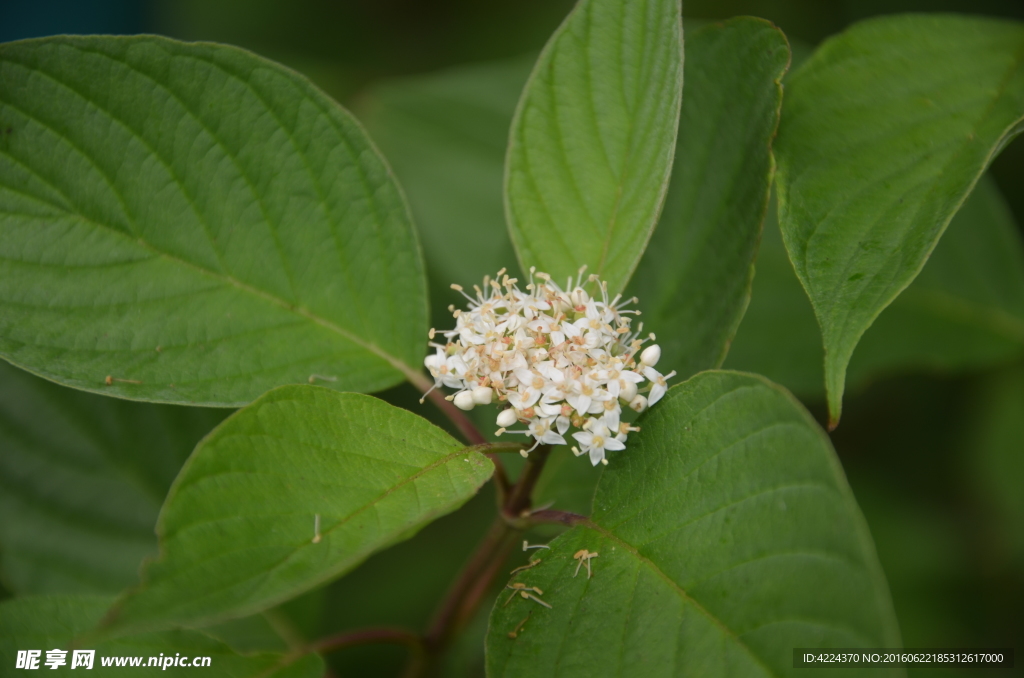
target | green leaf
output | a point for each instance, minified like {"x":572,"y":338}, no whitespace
{"x":884,"y":132}
{"x":190,"y":223}
{"x":965,"y":311}
{"x":59,"y":622}
{"x":81,"y":481}
{"x":237,"y":529}
{"x":592,"y":141}
{"x":694,"y":280}
{"x":726,"y":536}
{"x":256,"y":633}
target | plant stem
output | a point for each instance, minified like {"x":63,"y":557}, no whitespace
{"x":520,"y":496}
{"x":477,"y":593}
{"x":550,"y":517}
{"x":505,"y":448}
{"x":470,"y":588}
{"x":384,"y":634}
{"x":461,"y":421}
{"x":442,"y":628}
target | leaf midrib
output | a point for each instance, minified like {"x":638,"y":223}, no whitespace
{"x":339,"y":565}
{"x":1000,"y":92}
{"x":398,"y":364}
{"x":611,"y":536}
{"x":410,"y":374}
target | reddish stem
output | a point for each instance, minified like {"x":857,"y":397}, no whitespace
{"x":476,"y":595}
{"x":520,"y":496}
{"x":549,"y":517}
{"x":382,"y":634}
{"x":469,"y":589}
{"x":442,"y":626}
{"x":461,"y":421}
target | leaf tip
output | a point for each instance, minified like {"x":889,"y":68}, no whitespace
{"x":835,"y":411}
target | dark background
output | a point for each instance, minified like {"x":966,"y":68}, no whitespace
{"x":905,"y":442}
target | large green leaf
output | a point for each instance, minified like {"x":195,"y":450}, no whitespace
{"x":964,"y":311}
{"x":693,"y":281}
{"x":59,"y":622}
{"x":884,"y":132}
{"x":237,"y":529}
{"x":191,"y":223}
{"x":82,"y":478}
{"x":726,"y":535}
{"x":592,"y":141}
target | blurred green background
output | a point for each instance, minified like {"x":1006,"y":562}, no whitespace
{"x":934,"y":452}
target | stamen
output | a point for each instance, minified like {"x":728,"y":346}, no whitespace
{"x":533,"y":563}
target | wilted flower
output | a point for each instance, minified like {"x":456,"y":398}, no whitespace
{"x":558,"y":358}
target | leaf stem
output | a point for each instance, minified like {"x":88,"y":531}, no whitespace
{"x":471,"y":586}
{"x":461,"y":421}
{"x":488,"y":448}
{"x":453,"y":609}
{"x":380,"y":634}
{"x":383,"y":634}
{"x":520,"y":496}
{"x":549,"y":517}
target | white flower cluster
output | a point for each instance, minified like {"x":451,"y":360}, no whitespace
{"x":560,"y":359}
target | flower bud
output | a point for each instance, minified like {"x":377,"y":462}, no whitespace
{"x":638,"y":403}
{"x":482,"y":395}
{"x":464,"y":400}
{"x":507,"y":418}
{"x":433,"y":361}
{"x":627,"y":392}
{"x":651,"y":355}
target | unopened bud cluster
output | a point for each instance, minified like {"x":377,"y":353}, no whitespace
{"x":557,"y":359}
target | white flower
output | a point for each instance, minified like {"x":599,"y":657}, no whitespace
{"x":507,"y":418}
{"x":451,"y":372}
{"x":555,"y":359}
{"x":464,"y":400}
{"x":540,"y":429}
{"x":523,"y":398}
{"x":585,"y":392}
{"x":434,"y":361}
{"x":658,"y":385}
{"x":651,"y":355}
{"x":638,"y":403}
{"x":562,"y":423}
{"x":596,"y":440}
